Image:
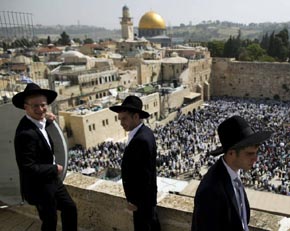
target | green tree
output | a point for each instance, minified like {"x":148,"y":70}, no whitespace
{"x":35,"y":58}
{"x":42,"y":41}
{"x":88,"y":41}
{"x":271,"y":48}
{"x":244,"y":55}
{"x":279,"y":45}
{"x":232,"y":46}
{"x":77,"y":40}
{"x":266,"y":58}
{"x":228,"y":48}
{"x":48,"y":41}
{"x":265,"y":42}
{"x":5,"y":46}
{"x":255,"y":51}
{"x":283,"y":35}
{"x":216,"y":48}
{"x":64,"y":39}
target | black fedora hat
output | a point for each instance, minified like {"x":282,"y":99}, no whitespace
{"x":235,"y":132}
{"x":32,"y":89}
{"x":131,"y":103}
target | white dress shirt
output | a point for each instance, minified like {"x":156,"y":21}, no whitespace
{"x":133,"y":132}
{"x":41,"y":126}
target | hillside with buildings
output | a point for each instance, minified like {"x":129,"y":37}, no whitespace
{"x":205,"y":31}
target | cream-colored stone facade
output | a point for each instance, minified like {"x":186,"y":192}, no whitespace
{"x":89,"y":128}
{"x":250,"y":79}
{"x":38,"y":70}
{"x":199,"y":73}
{"x":194,"y":74}
{"x":85,"y":87}
{"x":148,"y":71}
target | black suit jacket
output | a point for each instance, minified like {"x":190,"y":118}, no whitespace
{"x":215,"y":206}
{"x":38,"y":174}
{"x":138,"y":169}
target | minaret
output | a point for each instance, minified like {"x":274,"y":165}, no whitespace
{"x":127,"y":25}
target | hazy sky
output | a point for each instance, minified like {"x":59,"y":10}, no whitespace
{"x":106,"y":13}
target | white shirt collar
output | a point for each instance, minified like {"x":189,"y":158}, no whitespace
{"x":231,"y":172}
{"x":39,"y":123}
{"x":133,"y":132}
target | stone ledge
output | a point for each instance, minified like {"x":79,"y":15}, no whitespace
{"x":102,"y":207}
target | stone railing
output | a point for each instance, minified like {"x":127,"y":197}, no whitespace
{"x":102,"y":207}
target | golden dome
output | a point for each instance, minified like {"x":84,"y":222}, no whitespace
{"x":152,"y":20}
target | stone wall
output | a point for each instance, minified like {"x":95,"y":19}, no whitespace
{"x":149,"y":71}
{"x":250,"y":79}
{"x":199,"y":73}
{"x":102,"y":207}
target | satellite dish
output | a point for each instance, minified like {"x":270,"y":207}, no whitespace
{"x":9,"y":174}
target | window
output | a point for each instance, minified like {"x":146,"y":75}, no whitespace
{"x":146,"y":106}
{"x":116,"y":118}
{"x":104,"y":123}
{"x":94,"y":127}
{"x":90,"y":128}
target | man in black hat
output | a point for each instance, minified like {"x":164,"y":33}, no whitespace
{"x":220,"y":202}
{"x":39,"y":174}
{"x":138,"y":167}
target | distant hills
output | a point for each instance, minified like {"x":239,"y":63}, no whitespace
{"x":205,"y":31}
{"x":216,"y":30}
{"x":76,"y":31}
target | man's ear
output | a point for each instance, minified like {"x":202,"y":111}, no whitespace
{"x":230,"y":152}
{"x":136,"y":115}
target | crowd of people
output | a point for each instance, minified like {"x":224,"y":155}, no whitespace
{"x":184,"y":144}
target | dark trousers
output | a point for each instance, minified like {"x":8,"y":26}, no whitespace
{"x":47,"y":210}
{"x":146,"y":219}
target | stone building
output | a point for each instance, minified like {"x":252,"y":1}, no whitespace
{"x":24,"y":66}
{"x":132,"y":48}
{"x":198,"y":77}
{"x":260,"y":80}
{"x":172,"y":68}
{"x":175,"y":71}
{"x":83,"y":80}
{"x":89,"y":127}
{"x":49,"y":53}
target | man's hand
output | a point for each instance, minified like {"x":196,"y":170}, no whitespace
{"x":59,"y":169}
{"x":50,"y":116}
{"x":132,"y":207}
